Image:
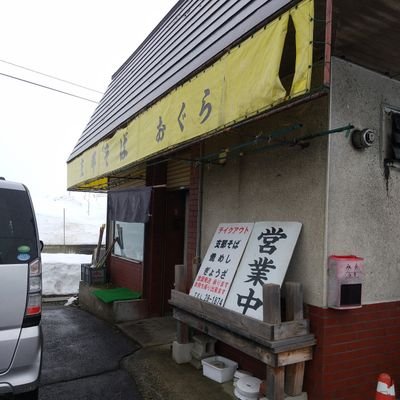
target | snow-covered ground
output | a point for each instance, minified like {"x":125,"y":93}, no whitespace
{"x":62,"y":272}
{"x":84,"y":214}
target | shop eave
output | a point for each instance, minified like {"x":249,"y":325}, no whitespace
{"x":141,"y":81}
{"x":120,"y":176}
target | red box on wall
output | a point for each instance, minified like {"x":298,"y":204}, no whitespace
{"x":345,"y":280}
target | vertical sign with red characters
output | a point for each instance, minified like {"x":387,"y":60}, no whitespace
{"x":219,"y":265}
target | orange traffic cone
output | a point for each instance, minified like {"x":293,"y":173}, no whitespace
{"x":385,"y":388}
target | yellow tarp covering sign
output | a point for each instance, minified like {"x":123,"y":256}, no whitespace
{"x":243,"y":82}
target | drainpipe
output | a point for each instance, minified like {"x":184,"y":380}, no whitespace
{"x":200,"y":204}
{"x":328,"y":42}
{"x":327,"y":83}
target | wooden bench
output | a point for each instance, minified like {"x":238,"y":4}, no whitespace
{"x":282,"y":346}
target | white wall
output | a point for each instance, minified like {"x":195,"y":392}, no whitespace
{"x":285,"y":184}
{"x":363,"y":214}
{"x":346,"y":208}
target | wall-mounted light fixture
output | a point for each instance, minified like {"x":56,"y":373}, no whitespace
{"x":222,"y":157}
{"x":363,"y":138}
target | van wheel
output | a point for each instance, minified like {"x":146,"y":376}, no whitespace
{"x":34,"y":395}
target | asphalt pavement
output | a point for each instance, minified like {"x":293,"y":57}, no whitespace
{"x":86,"y":358}
{"x":82,"y":357}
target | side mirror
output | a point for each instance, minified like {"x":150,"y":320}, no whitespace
{"x":41,"y":245}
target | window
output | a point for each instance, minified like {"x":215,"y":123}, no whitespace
{"x":18,"y":241}
{"x":390,"y":141}
{"x":130,"y":240}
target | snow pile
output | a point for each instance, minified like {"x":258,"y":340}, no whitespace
{"x":77,"y":217}
{"x":61,"y":273}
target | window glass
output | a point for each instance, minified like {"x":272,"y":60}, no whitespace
{"x":130,"y":243}
{"x":18,"y":241}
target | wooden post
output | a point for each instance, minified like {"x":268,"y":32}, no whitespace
{"x":294,"y":301}
{"x":272,"y":315}
{"x":294,"y":311}
{"x":180,"y":278}
{"x":294,"y":378}
{"x":182,"y":334}
{"x":98,"y":248}
{"x":272,"y":303}
{"x":275,"y":383}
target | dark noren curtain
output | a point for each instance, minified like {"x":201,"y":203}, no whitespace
{"x":129,"y":205}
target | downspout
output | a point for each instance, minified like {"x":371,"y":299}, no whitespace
{"x":327,"y":83}
{"x":328,"y":42}
{"x":200,"y":205}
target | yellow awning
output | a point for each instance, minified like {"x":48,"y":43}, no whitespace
{"x":242,"y":83}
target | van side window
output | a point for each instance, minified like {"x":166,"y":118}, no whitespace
{"x":18,"y":241}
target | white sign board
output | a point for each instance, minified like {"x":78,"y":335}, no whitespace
{"x":265,"y":260}
{"x":219,"y":265}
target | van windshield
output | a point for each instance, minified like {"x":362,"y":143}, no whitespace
{"x":18,"y":241}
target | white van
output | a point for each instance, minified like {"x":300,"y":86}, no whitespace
{"x":20,"y":293}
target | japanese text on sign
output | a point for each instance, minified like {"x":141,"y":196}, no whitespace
{"x":219,"y":266}
{"x":221,"y":95}
{"x":265,"y":260}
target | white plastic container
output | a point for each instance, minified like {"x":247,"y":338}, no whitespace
{"x":248,"y":388}
{"x":219,"y":369}
{"x":240,"y":374}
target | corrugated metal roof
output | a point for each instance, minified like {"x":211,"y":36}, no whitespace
{"x":367,"y":33}
{"x":190,"y":35}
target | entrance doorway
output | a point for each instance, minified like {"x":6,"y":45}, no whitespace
{"x":175,"y":211}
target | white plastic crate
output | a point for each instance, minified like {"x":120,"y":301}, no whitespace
{"x":219,"y":369}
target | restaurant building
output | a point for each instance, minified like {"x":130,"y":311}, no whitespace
{"x":243,"y":111}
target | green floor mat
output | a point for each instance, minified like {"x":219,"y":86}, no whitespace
{"x":110,"y":295}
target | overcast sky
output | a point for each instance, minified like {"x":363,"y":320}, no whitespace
{"x":83,"y":41}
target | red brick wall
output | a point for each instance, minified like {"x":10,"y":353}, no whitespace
{"x":353,"y":348}
{"x":193,"y":215}
{"x":127,"y":274}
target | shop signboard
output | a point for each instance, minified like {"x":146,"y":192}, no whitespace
{"x":220,"y":263}
{"x":265,"y":260}
{"x":243,"y":82}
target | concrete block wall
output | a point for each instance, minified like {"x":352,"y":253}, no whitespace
{"x":363,"y":218}
{"x":363,"y":207}
{"x":287,"y":183}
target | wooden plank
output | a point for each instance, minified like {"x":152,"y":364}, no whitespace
{"x":275,"y":383}
{"x":290,"y":329}
{"x":245,"y":326}
{"x":294,"y":301}
{"x":294,"y":377}
{"x":182,"y":330}
{"x":294,"y":343}
{"x":272,"y":303}
{"x":248,"y":346}
{"x":182,"y":333}
{"x":243,"y":344}
{"x":295,"y":356}
{"x":98,"y":247}
{"x":226,"y":318}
